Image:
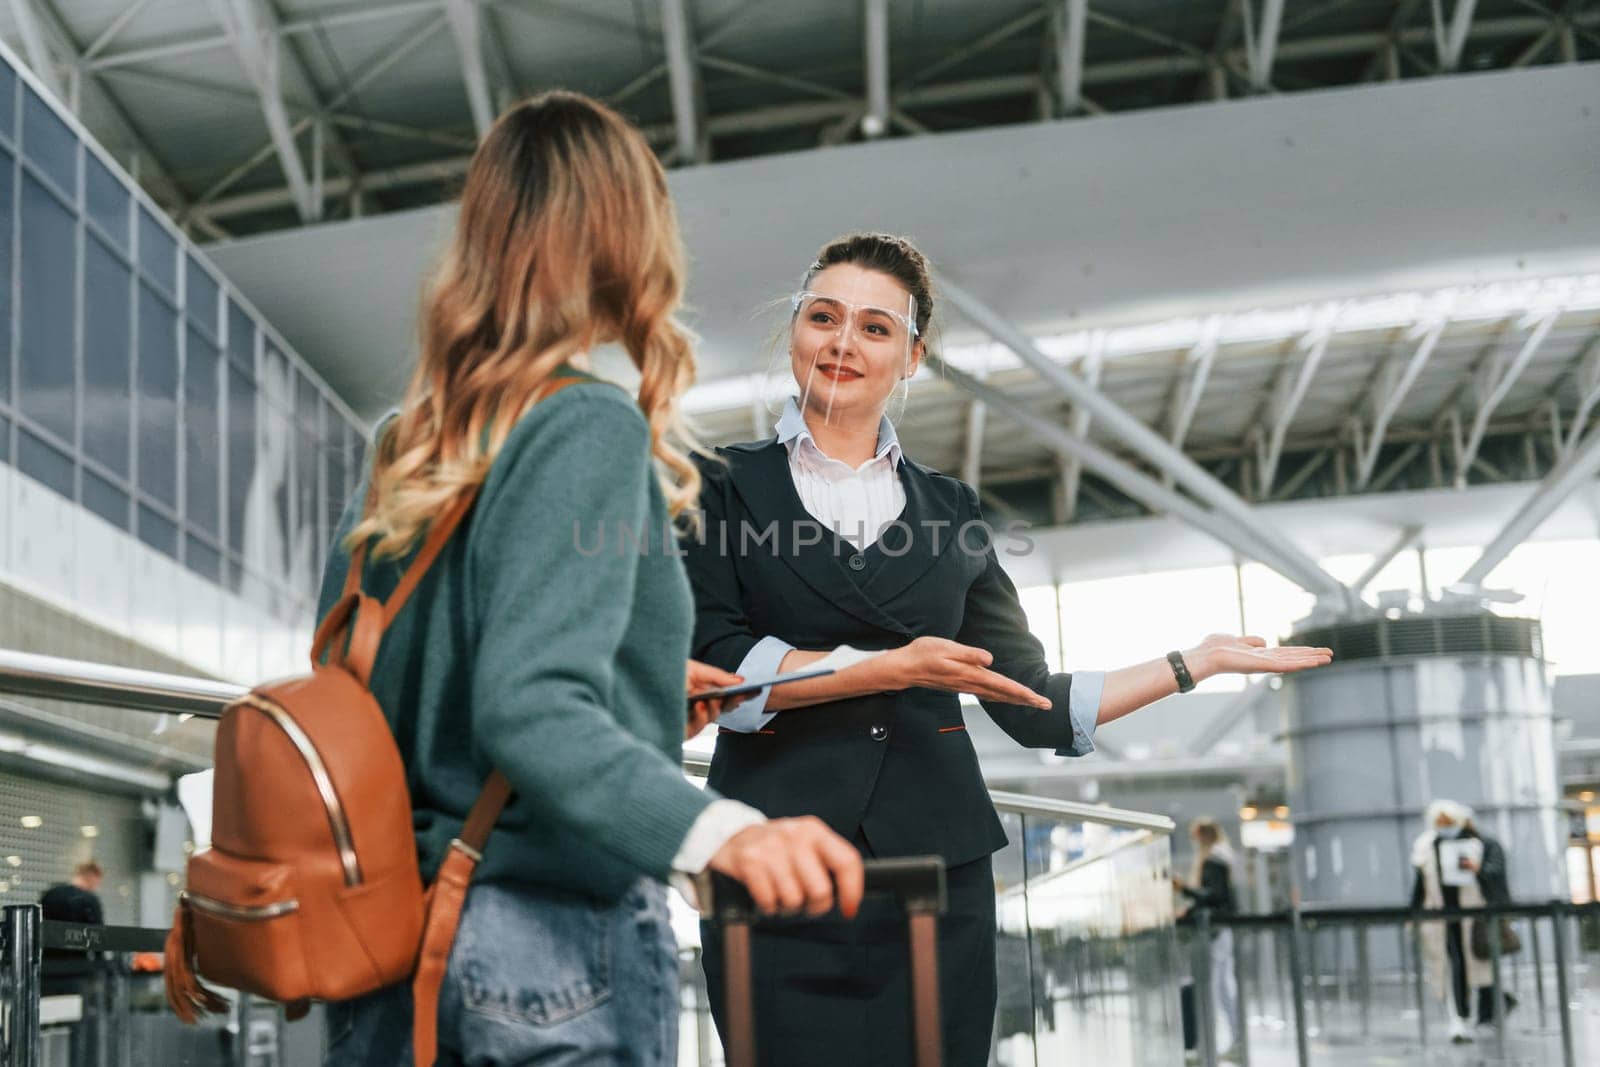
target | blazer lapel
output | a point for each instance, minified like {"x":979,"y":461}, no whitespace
{"x":932,"y":519}
{"x":761,"y":477}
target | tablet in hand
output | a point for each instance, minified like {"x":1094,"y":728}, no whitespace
{"x":755,"y":686}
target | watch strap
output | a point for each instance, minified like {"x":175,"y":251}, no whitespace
{"x":1180,"y":671}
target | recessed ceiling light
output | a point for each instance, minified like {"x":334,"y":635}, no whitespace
{"x":32,"y":822}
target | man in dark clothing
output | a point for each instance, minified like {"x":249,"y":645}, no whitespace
{"x":77,"y":901}
{"x":66,"y":971}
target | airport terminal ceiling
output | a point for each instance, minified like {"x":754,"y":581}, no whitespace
{"x":314,"y":144}
{"x":383,"y":98}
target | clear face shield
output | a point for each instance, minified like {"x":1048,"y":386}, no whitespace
{"x":843,"y":357}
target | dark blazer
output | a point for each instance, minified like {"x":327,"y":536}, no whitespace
{"x":897,"y":767}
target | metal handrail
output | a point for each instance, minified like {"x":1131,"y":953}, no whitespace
{"x":85,"y":682}
{"x":81,"y":681}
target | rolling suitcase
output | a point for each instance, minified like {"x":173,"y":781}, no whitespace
{"x":916,"y":882}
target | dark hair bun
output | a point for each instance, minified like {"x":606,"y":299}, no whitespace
{"x":894,"y":256}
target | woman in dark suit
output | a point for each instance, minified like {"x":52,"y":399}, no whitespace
{"x":826,"y":540}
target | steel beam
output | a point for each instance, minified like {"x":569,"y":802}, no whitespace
{"x":972,"y":455}
{"x":1391,"y":394}
{"x":1091,"y":368}
{"x":33,"y":43}
{"x":341,"y":185}
{"x":1290,"y":397}
{"x":1261,"y":45}
{"x":999,"y":35}
{"x":258,"y":50}
{"x":1407,"y":538}
{"x":875,"y":123}
{"x":109,"y":34}
{"x":211,"y":42}
{"x":1127,"y":478}
{"x":1492,"y":389}
{"x":1071,"y":33}
{"x":1222,"y":723}
{"x":400,"y":47}
{"x":1197,"y":363}
{"x":144,"y":160}
{"x":681,"y":79}
{"x":1385,"y":58}
{"x":466,"y":27}
{"x":1301,"y":568}
{"x":1451,"y":39}
{"x":772,"y":77}
{"x":1588,"y":395}
{"x":1568,"y":475}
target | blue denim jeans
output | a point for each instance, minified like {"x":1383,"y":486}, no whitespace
{"x":536,"y":977}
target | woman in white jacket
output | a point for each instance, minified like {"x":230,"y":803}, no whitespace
{"x":1472,"y":878}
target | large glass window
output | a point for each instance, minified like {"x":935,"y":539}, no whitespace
{"x":107,"y":201}
{"x":105,"y":498}
{"x":308,"y":468}
{"x":8,"y":101}
{"x":107,"y":356}
{"x":241,"y":339}
{"x":8,"y":189}
{"x":135,"y":383}
{"x":241,"y":452}
{"x":157,"y":411}
{"x":45,"y":463}
{"x":48,"y":143}
{"x":202,"y":431}
{"x":47,"y":375}
{"x":334,"y":471}
{"x":200,"y":299}
{"x":158,"y":531}
{"x":158,"y":253}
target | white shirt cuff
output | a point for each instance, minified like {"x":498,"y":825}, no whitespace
{"x":716,"y":825}
{"x":762,"y":661}
{"x":1083,"y":705}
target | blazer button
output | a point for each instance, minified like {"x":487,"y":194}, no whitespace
{"x":858,"y":562}
{"x":878,"y":732}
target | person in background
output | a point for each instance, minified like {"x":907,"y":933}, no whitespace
{"x":63,"y":971}
{"x":78,"y":900}
{"x":1210,"y":886}
{"x":75,"y":901}
{"x":1476,"y":878}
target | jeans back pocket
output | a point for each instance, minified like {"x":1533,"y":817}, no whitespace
{"x":537,"y":956}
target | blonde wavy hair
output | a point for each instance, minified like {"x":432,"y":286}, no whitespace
{"x":567,"y":240}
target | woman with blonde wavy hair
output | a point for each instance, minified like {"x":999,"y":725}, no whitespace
{"x":525,"y":649}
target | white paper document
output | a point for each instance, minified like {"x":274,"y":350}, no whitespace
{"x":1451,"y":853}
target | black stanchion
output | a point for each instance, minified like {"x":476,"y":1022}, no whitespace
{"x":1205,"y":1008}
{"x":24,"y":953}
{"x":1563,"y":995}
{"x":1297,"y":985}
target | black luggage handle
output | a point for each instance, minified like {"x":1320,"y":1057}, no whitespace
{"x":916,"y":882}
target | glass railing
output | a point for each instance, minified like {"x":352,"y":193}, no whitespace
{"x":1089,"y":959}
{"x":1368,"y":986}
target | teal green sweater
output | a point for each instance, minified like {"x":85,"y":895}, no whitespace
{"x":546,"y":642}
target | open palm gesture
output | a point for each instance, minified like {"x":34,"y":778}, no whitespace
{"x":1227,"y":654}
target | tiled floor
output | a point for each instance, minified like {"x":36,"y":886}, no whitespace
{"x":1391,"y":1038}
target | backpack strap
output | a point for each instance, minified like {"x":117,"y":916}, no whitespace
{"x":446,"y":897}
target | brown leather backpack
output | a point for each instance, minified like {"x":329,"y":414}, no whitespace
{"x":310,"y":889}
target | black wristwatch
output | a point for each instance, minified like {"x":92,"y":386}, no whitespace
{"x":1180,"y":671}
